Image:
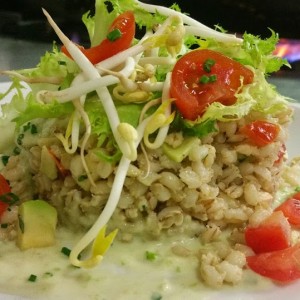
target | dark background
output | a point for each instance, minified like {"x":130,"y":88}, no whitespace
{"x":24,"y":19}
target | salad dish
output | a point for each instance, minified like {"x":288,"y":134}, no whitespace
{"x":163,"y":136}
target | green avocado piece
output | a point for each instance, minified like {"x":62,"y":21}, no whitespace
{"x":36,"y":224}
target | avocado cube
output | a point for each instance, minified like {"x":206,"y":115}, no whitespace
{"x":36,"y":224}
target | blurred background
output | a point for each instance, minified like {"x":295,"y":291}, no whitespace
{"x":24,"y":30}
{"x":24,"y":18}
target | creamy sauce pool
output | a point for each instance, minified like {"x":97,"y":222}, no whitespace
{"x":125,"y":273}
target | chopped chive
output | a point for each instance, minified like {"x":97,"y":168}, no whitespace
{"x":62,"y":63}
{"x":20,"y":139}
{"x":213,"y":78}
{"x":156,"y":296}
{"x":114,"y":35}
{"x":66,"y":251}
{"x":204,"y":79}
{"x":9,"y":198}
{"x":4,"y":159}
{"x":208,"y":64}
{"x":48,"y":274}
{"x":297,"y":189}
{"x":32,"y":278}
{"x":4,"y":225}
{"x":82,"y":178}
{"x":17,"y":151}
{"x":26,"y":127}
{"x":33,"y":129}
{"x":150,"y":255}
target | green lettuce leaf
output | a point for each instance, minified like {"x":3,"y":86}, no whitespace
{"x":258,"y":96}
{"x":17,"y":104}
{"x":190,"y":128}
{"x":254,"y":51}
{"x":98,"y":24}
{"x":259,"y":53}
{"x":54,"y":63}
{"x":35,"y":110}
{"x":142,"y":17}
{"x":108,"y":149}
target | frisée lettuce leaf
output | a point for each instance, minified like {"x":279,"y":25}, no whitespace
{"x":36,"y":110}
{"x":107,"y":146}
{"x":97,"y":25}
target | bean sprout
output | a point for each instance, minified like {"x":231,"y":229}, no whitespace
{"x":85,"y":87}
{"x":91,"y":72}
{"x":202,"y":30}
{"x":161,"y":120}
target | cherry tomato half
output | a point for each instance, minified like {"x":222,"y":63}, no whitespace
{"x":204,"y":76}
{"x":291,"y":209}
{"x":4,"y":189}
{"x":282,"y":265}
{"x":261,"y":133}
{"x":272,"y":234}
{"x":125,"y":23}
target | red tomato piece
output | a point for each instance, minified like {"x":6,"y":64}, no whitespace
{"x":204,"y":76}
{"x":62,"y":170}
{"x":125,"y":23}
{"x":291,"y":209}
{"x":282,"y":265}
{"x":261,"y":133}
{"x":281,"y":154}
{"x":4,"y":189}
{"x":272,"y":234}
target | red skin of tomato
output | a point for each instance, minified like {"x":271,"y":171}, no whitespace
{"x":281,"y":154}
{"x":126,"y":24}
{"x":282,"y":265}
{"x":4,"y":189}
{"x":291,"y":209}
{"x":191,"y":96}
{"x":261,"y":133}
{"x":271,"y":235}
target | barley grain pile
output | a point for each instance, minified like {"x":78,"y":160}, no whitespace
{"x":223,"y":184}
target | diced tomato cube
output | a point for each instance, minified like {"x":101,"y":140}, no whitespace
{"x":272,"y":234}
{"x":291,"y":209}
{"x":282,"y":265}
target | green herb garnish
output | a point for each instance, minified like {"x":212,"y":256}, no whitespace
{"x":208,"y":64}
{"x":17,"y":151}
{"x":66,"y":251}
{"x":9,"y":198}
{"x":20,"y":139}
{"x":4,"y":159}
{"x":206,"y":79}
{"x":114,"y":35}
{"x":32,"y":278}
{"x":33,"y":129}
{"x":156,"y":296}
{"x":26,"y":126}
{"x":82,"y":178}
{"x":151,"y":256}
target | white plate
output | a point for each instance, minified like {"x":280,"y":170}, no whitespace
{"x":126,"y":280}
